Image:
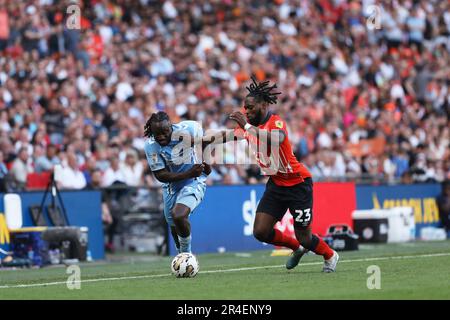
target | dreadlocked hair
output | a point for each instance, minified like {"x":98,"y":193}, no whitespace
{"x":155,"y":117}
{"x":262,"y":91}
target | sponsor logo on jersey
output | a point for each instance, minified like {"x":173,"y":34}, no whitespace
{"x":279,"y":124}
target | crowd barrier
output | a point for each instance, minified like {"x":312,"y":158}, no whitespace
{"x":421,"y":197}
{"x":224,"y":220}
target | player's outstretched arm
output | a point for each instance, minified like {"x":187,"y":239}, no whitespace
{"x":222,"y":136}
{"x":166,"y":176}
{"x":271,"y":137}
{"x":218,"y":137}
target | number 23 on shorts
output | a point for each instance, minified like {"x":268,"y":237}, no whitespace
{"x":303,"y":216}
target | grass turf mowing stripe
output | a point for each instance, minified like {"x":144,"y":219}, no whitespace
{"x":222,"y":270}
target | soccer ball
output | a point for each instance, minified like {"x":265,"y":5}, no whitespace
{"x":185,"y":265}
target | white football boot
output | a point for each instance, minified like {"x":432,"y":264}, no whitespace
{"x":330,"y":264}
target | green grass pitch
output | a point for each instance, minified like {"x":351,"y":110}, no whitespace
{"x":419,"y":270}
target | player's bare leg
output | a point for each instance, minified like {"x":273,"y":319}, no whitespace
{"x":173,"y":231}
{"x":315,"y":244}
{"x":263,"y":230}
{"x":180,"y":215}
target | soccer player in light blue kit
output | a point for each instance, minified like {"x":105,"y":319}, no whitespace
{"x":173,"y":160}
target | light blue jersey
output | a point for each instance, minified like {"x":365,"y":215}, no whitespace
{"x":176,"y":158}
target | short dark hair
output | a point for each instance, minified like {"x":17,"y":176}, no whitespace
{"x":155,"y":117}
{"x":262,"y":91}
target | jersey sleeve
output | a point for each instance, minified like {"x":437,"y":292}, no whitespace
{"x":276,"y":123}
{"x":154,"y":159}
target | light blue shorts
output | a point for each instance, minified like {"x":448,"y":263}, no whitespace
{"x":190,"y":195}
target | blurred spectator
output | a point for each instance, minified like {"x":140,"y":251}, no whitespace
{"x":89,"y":167}
{"x":131,"y":169}
{"x":54,"y":120}
{"x":24,"y":141}
{"x":45,"y":162}
{"x":3,"y":174}
{"x":71,"y":176}
{"x":4,"y":26}
{"x":21,"y":167}
{"x":400,"y":161}
{"x":113,"y":173}
{"x":342,"y":84}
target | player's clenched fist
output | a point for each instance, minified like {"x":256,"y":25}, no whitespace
{"x":239,"y":117}
{"x":196,"y":170}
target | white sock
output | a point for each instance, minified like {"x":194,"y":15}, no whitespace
{"x":185,"y":244}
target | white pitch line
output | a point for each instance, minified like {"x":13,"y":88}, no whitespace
{"x":221,"y":271}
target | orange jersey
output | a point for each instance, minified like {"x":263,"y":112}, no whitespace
{"x":281,"y":163}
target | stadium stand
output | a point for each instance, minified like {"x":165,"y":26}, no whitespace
{"x":360,"y":102}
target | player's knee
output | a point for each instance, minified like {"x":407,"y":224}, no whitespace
{"x":261,"y":234}
{"x":179,"y":215}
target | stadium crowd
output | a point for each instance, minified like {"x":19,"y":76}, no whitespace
{"x":364,"y":93}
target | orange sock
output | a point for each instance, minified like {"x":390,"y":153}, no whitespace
{"x":279,"y":239}
{"x":323,"y":249}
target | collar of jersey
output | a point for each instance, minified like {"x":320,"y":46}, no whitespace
{"x":269,"y":114}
